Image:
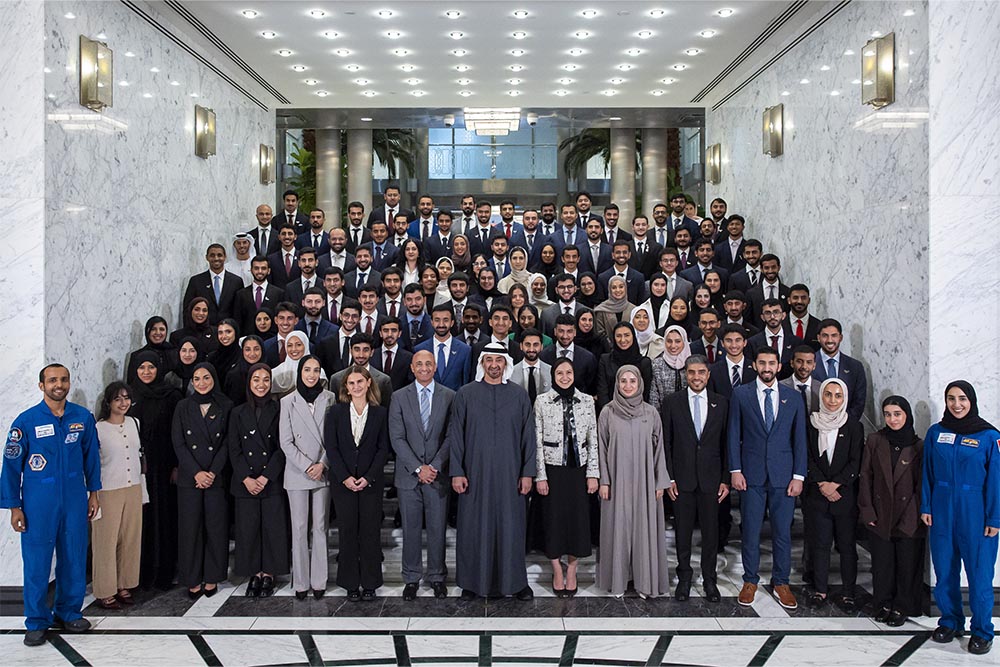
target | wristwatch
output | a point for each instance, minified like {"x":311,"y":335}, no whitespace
{"x":417,"y":470}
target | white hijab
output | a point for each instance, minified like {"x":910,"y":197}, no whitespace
{"x":827,"y":422}
{"x":284,"y":375}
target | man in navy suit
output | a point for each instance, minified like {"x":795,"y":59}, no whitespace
{"x":306,"y":262}
{"x":768,"y":287}
{"x":729,"y":248}
{"x":705,"y":252}
{"x":291,"y":215}
{"x":216,"y":285}
{"x":532,"y":237}
{"x":768,"y":463}
{"x":383,"y":252}
{"x":584,"y":363}
{"x":484,"y":231}
{"x":799,"y":322}
{"x":621,"y":253}
{"x":284,"y":264}
{"x":313,"y":324}
{"x":736,"y":368}
{"x":584,"y":213}
{"x":390,"y":208}
{"x":512,"y":230}
{"x":286,"y":318}
{"x":677,"y":218}
{"x":390,"y":357}
{"x":439,"y":243}
{"x":454,"y":358}
{"x":357,"y":232}
{"x":416,"y":323}
{"x":498,"y":260}
{"x":315,"y":237}
{"x":611,"y":230}
{"x":831,"y":362}
{"x":265,"y":231}
{"x":425,"y":224}
{"x":568,"y":233}
{"x":595,"y":245}
{"x":259,"y":294}
{"x":776,"y":337}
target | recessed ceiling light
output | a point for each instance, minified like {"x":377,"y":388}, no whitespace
{"x":725,"y":13}
{"x":625,"y":67}
{"x":268,"y":34}
{"x":515,"y":68}
{"x":849,"y":52}
{"x":247,"y":13}
{"x":407,"y":67}
{"x":352,"y":68}
{"x":284,"y":53}
{"x":365,"y":119}
{"x":310,"y":82}
{"x":462,"y":68}
{"x":570,"y":67}
{"x":707,"y":33}
{"x":633,"y":52}
{"x":175,"y":83}
{"x":657,"y":13}
{"x":459,"y":52}
{"x":668,"y":80}
{"x":644,"y":34}
{"x":514,"y":82}
{"x":609,"y":92}
{"x":465,"y":93}
{"x":519,"y":34}
{"x":588,"y":13}
{"x":835,"y":92}
{"x":679,"y":67}
{"x":824,"y":68}
{"x":576,"y":52}
{"x":463,"y":82}
{"x":322,"y":93}
{"x":317,"y":13}
{"x":299,"y":68}
{"x":400,"y":52}
{"x":362,"y":82}
{"x":412,"y":82}
{"x":581,"y":34}
{"x":147,"y":95}
{"x":785,"y":93}
{"x":154,"y":70}
{"x":393,"y":34}
{"x":71,"y":15}
{"x":616,"y":81}
{"x":369,"y":93}
{"x":804,"y":81}
{"x":342,"y":52}
{"x":513,"y":93}
{"x":384,"y":13}
{"x":658,"y":92}
{"x":453,"y":13}
{"x":521,"y":14}
{"x":565,"y":80}
{"x":418,"y":93}
{"x":129,"y":54}
{"x":692,"y":52}
{"x":331,"y":34}
{"x":560,"y":92}
{"x":455,"y":34}
{"x":517,"y":53}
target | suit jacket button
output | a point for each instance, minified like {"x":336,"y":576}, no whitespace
{"x":250,"y":454}
{"x":209,"y":449}
{"x":194,"y":446}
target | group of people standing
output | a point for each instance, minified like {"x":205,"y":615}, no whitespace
{"x":517,"y":410}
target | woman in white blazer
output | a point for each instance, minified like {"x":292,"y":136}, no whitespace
{"x":300,"y":431}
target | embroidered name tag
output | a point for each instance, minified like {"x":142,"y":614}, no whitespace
{"x":947,"y":437}
{"x":72,"y":437}
{"x":37,"y":462}
{"x":969,"y":442}
{"x":76,"y":426}
{"x":45,"y":431}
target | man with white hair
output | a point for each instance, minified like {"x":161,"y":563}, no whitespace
{"x":491,"y":444}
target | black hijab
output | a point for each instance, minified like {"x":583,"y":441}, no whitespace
{"x":252,"y":398}
{"x":657,"y":301}
{"x":495,"y":292}
{"x":308,"y":393}
{"x":547,"y":269}
{"x":203,"y":329}
{"x":683,"y":324}
{"x":272,"y":331}
{"x":212,"y":396}
{"x":150,"y":345}
{"x":156,"y":390}
{"x":623,"y":357}
{"x":224,"y":357}
{"x":567,"y":393}
{"x":970,"y":423}
{"x":589,"y":300}
{"x":905,"y":436}
{"x":186,"y":371}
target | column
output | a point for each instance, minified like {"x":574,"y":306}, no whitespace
{"x":328,"y":176}
{"x":623,"y":173}
{"x":359,"y":167}
{"x":654,"y":169}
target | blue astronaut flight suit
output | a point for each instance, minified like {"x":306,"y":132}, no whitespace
{"x":961,"y":492}
{"x":49,"y":465}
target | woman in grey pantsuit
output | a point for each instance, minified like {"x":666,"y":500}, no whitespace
{"x":301,"y":435}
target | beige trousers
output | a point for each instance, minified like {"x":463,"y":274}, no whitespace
{"x":116,"y":539}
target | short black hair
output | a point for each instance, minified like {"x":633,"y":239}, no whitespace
{"x":458,"y":276}
{"x":379,"y":222}
{"x":390,"y":320}
{"x":443,"y":308}
{"x":287,"y":307}
{"x":570,"y":248}
{"x":357,"y":204}
{"x":501,"y":308}
{"x":446,"y":213}
{"x":670,"y":250}
{"x":721,"y":200}
{"x":561,"y":277}
{"x":290,"y":192}
{"x":766,"y":349}
{"x":702,"y":242}
{"x":361,"y":338}
{"x":799,"y":287}
{"x":771,"y":302}
{"x":257,"y":259}
{"x":733,"y":328}
{"x":506,"y":201}
{"x":620,"y":241}
{"x":803,"y":349}
{"x":612,"y":207}
{"x":770,"y":257}
{"x":529,"y":332}
{"x":737,"y":217}
{"x":413,"y":287}
{"x":709,"y":311}
{"x":350,"y":304}
{"x":216,"y":245}
{"x":314,"y":291}
{"x":583,"y":193}
{"x":369,"y":287}
{"x":753,"y":243}
{"x":333,"y":271}
{"x":565,"y":318}
{"x":307,"y":250}
{"x":41,"y":373}
{"x":392,"y":271}
{"x":830,"y":322}
{"x":392,"y":186}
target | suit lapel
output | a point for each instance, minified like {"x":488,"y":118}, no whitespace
{"x":905,"y":461}
{"x":688,"y":417}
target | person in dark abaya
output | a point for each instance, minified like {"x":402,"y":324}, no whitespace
{"x":197,"y":326}
{"x":679,"y":315}
{"x":153,"y":404}
{"x":547,"y":264}
{"x":587,"y":292}
{"x":891,"y":472}
{"x":716,"y":289}
{"x":198,"y":434}
{"x":624,"y":351}
{"x":586,"y":334}
{"x":264,"y":326}
{"x":251,"y":352}
{"x":258,"y":474}
{"x":488,"y":289}
{"x":657,"y":301}
{"x":156,"y":340}
{"x":188,"y":357}
{"x":227,"y":354}
{"x":491,"y":446}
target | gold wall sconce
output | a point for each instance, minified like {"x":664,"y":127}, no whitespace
{"x":774,"y":120}
{"x":96,"y":74}
{"x":878,"y":71}
{"x":204,"y":131}
{"x":714,"y":160}
{"x":266,"y":164}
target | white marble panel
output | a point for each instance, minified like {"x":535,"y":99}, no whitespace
{"x":486,"y":624}
{"x":527,"y":646}
{"x":257,"y":649}
{"x":443,"y":646}
{"x":166,"y":650}
{"x":845,"y":206}
{"x":708,"y":650}
{"x":642,"y":624}
{"x":955,"y":654}
{"x":356,"y":647}
{"x":271,"y":623}
{"x":623,"y":647}
{"x":819,"y":650}
{"x":16,"y":653}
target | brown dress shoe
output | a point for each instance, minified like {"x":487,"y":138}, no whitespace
{"x":747,"y":594}
{"x":785,"y":598}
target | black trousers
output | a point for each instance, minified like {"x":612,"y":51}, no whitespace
{"x":202,"y":534}
{"x":703,"y":507}
{"x":262,"y":535}
{"x":725,"y":520}
{"x":359,"y":528}
{"x":159,"y":531}
{"x":823,"y":529}
{"x":898,"y":573}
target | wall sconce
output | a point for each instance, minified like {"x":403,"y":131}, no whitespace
{"x":878,"y":71}
{"x":714,"y":159}
{"x":96,"y":74}
{"x":773,"y":130}
{"x":204,"y":132}
{"x":266,"y":164}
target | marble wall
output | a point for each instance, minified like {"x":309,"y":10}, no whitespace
{"x":845,"y":206}
{"x":130,"y":208}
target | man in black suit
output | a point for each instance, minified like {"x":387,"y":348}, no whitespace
{"x":800,"y":323}
{"x":291,"y":215}
{"x":383,"y":253}
{"x":473,"y":328}
{"x":307,"y":278}
{"x":400,"y":230}
{"x":729,"y":248}
{"x":584,"y":202}
{"x":735,"y":306}
{"x":335,"y":352}
{"x":705,"y":252}
{"x":775,"y":336}
{"x":595,"y":253}
{"x":645,"y":250}
{"x":438,"y":245}
{"x":749,"y":275}
{"x":313,"y":324}
{"x":611,"y":231}
{"x":371,"y":319}
{"x":735,"y":368}
{"x":265,"y":231}
{"x":547,"y":225}
{"x":333,"y":285}
{"x":363,"y":274}
{"x":770,"y":287}
{"x":390,"y":357}
{"x":315,"y":238}
{"x":284,"y":264}
{"x":390,"y":207}
{"x":677,"y":220}
{"x":709,"y":344}
{"x":685,"y":253}
{"x":259,"y":294}
{"x":391,"y":302}
{"x":415,"y":323}
{"x":482,"y":235}
{"x":337,"y":255}
{"x":584,"y":363}
{"x":357,"y":233}
{"x":717,"y":209}
{"x":621,"y":253}
{"x":216,"y":285}
{"x":694,"y":445}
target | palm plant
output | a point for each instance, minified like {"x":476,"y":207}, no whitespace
{"x":580,"y":148}
{"x":392,"y":145}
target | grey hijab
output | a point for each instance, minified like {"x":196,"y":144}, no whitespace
{"x":628,"y":407}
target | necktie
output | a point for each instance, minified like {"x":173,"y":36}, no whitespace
{"x":392,"y":309}
{"x":470,"y":340}
{"x":312,"y":331}
{"x":531,"y":241}
{"x":710,"y":351}
{"x":508,"y":231}
{"x":532,"y":388}
{"x":805,"y":396}
{"x":661,"y":236}
{"x":307,"y":285}
{"x":425,"y":406}
{"x":753,"y":276}
{"x":361,"y":280}
{"x":768,"y":409}
{"x":427,"y":229}
{"x":333,"y":310}
{"x":684,"y":259}
{"x":500,"y":268}
{"x":368,"y":324}
{"x":771,"y":288}
{"x":281,"y":350}
{"x":595,"y":252}
{"x":218,"y":289}
{"x":414,"y":331}
{"x":641,"y":248}
{"x":677,"y":223}
{"x":345,"y":351}
{"x":611,"y":236}
{"x":566,"y":309}
{"x":774,"y":342}
{"x":703,"y":272}
{"x":670,"y":287}
{"x":378,"y":255}
{"x":288,"y":263}
{"x":260,"y":297}
{"x":736,"y":376}
{"x":583,"y":220}
{"x":316,"y":238}
{"x":468,"y":224}
{"x":697,"y":415}
{"x":799,"y":333}
{"x":387,"y":364}
{"x":458,"y":312}
{"x":441,"y":361}
{"x":355,"y":232}
{"x":564,"y":353}
{"x":831,"y":368}
{"x":263,"y":242}
{"x":392,"y":216}
{"x":548,"y":230}
{"x":291,"y":219}
{"x":569,"y":237}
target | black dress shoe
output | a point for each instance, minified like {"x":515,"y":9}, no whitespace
{"x":882,"y":615}
{"x":468,"y":595}
{"x":354,"y":595}
{"x":266,"y":586}
{"x":76,"y":626}
{"x":570,"y":592}
{"x":209,"y":592}
{"x":525,"y":594}
{"x":439,"y":588}
{"x":368,"y":594}
{"x":817,"y":600}
{"x":712,"y":592}
{"x":194,"y":595}
{"x":318,"y":594}
{"x":944,"y":635}
{"x":410,"y":592}
{"x":896,"y":619}
{"x":253,"y":588}
{"x":34,"y":637}
{"x":980,"y":645}
{"x":301,"y":595}
{"x":683,"y":591}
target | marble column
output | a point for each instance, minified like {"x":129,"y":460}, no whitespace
{"x":328,"y":176}
{"x":623,"y":173}
{"x":654,"y":169}
{"x":359,"y":167}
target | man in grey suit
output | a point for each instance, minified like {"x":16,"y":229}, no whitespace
{"x":418,"y":424}
{"x":801,"y":380}
{"x":538,"y":381}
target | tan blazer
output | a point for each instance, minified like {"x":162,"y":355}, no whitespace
{"x":604,"y":323}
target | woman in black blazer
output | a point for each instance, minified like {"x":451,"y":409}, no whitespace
{"x":258,"y":472}
{"x":357,"y":446}
{"x":624,"y":350}
{"x":199,"y":439}
{"x":835,"y":444}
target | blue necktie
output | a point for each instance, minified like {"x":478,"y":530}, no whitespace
{"x":218,"y":289}
{"x":805,"y":398}
{"x":831,"y":368}
{"x":569,"y":237}
{"x":697,"y":415}
{"x":361,"y":280}
{"x":441,"y":364}
{"x":425,"y":406}
{"x":768,"y":410}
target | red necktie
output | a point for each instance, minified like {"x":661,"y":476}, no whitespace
{"x":333,"y":310}
{"x":368,"y":325}
{"x":710,"y":351}
{"x":798,"y":330}
{"x":392,"y":311}
{"x":281,"y":350}
{"x":288,"y":263}
{"x":387,"y":366}
{"x":508,"y":231}
{"x":774,"y":342}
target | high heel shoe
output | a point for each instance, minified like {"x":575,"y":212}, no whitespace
{"x":209,"y":592}
{"x":194,"y":595}
{"x":253,"y":588}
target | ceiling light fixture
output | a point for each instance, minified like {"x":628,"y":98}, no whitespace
{"x":633,"y":52}
{"x":513,"y":93}
{"x":492,"y":119}
{"x":588,"y":13}
{"x":331,"y":34}
{"x":658,"y":92}
{"x":804,"y":81}
{"x":299,"y":68}
{"x":565,"y":81}
{"x":571,"y":67}
{"x":576,"y":52}
{"x":785,"y":93}
{"x":400,"y":52}
{"x":129,"y":54}
{"x":521,"y":14}
{"x":268,"y":34}
{"x":657,"y":13}
{"x":462,"y":68}
{"x":692,"y":52}
{"x":147,"y":95}
{"x":452,"y":14}
{"x":365,"y":119}
{"x":418,"y":93}
{"x":342,"y":52}
{"x":154,"y":70}
{"x":668,"y":80}
{"x":560,"y":92}
{"x":175,"y":83}
{"x":725,"y":13}
{"x":625,"y":67}
{"x":609,"y":92}
{"x":644,"y":34}
{"x":455,"y":34}
{"x":463,"y":82}
{"x":352,"y":68}
{"x":679,"y":67}
{"x":707,"y":33}
{"x":849,"y":52}
{"x":581,"y":34}
{"x":519,"y":34}
{"x":369,"y":93}
{"x":393,"y":34}
{"x":284,"y":53}
{"x":517,"y":53}
{"x":465,"y":93}
{"x":247,"y":13}
{"x":459,"y":52}
{"x":317,"y":13}
{"x":412,"y":82}
{"x":322,"y":93}
{"x":616,"y":81}
{"x":407,"y":67}
{"x":512,"y":82}
{"x":362,"y":82}
{"x":614,"y":117}
{"x":824,"y":68}
{"x":384,"y":13}
{"x":310,"y":82}
{"x":516,"y":68}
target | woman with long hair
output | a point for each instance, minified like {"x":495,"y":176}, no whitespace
{"x":410,"y":261}
{"x":235,"y":382}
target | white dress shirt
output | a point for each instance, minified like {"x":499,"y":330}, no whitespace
{"x":358,"y":422}
{"x":780,"y":336}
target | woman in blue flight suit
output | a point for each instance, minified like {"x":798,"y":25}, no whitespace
{"x":961,"y":505}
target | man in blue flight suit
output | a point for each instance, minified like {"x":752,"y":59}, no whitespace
{"x":50,"y":464}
